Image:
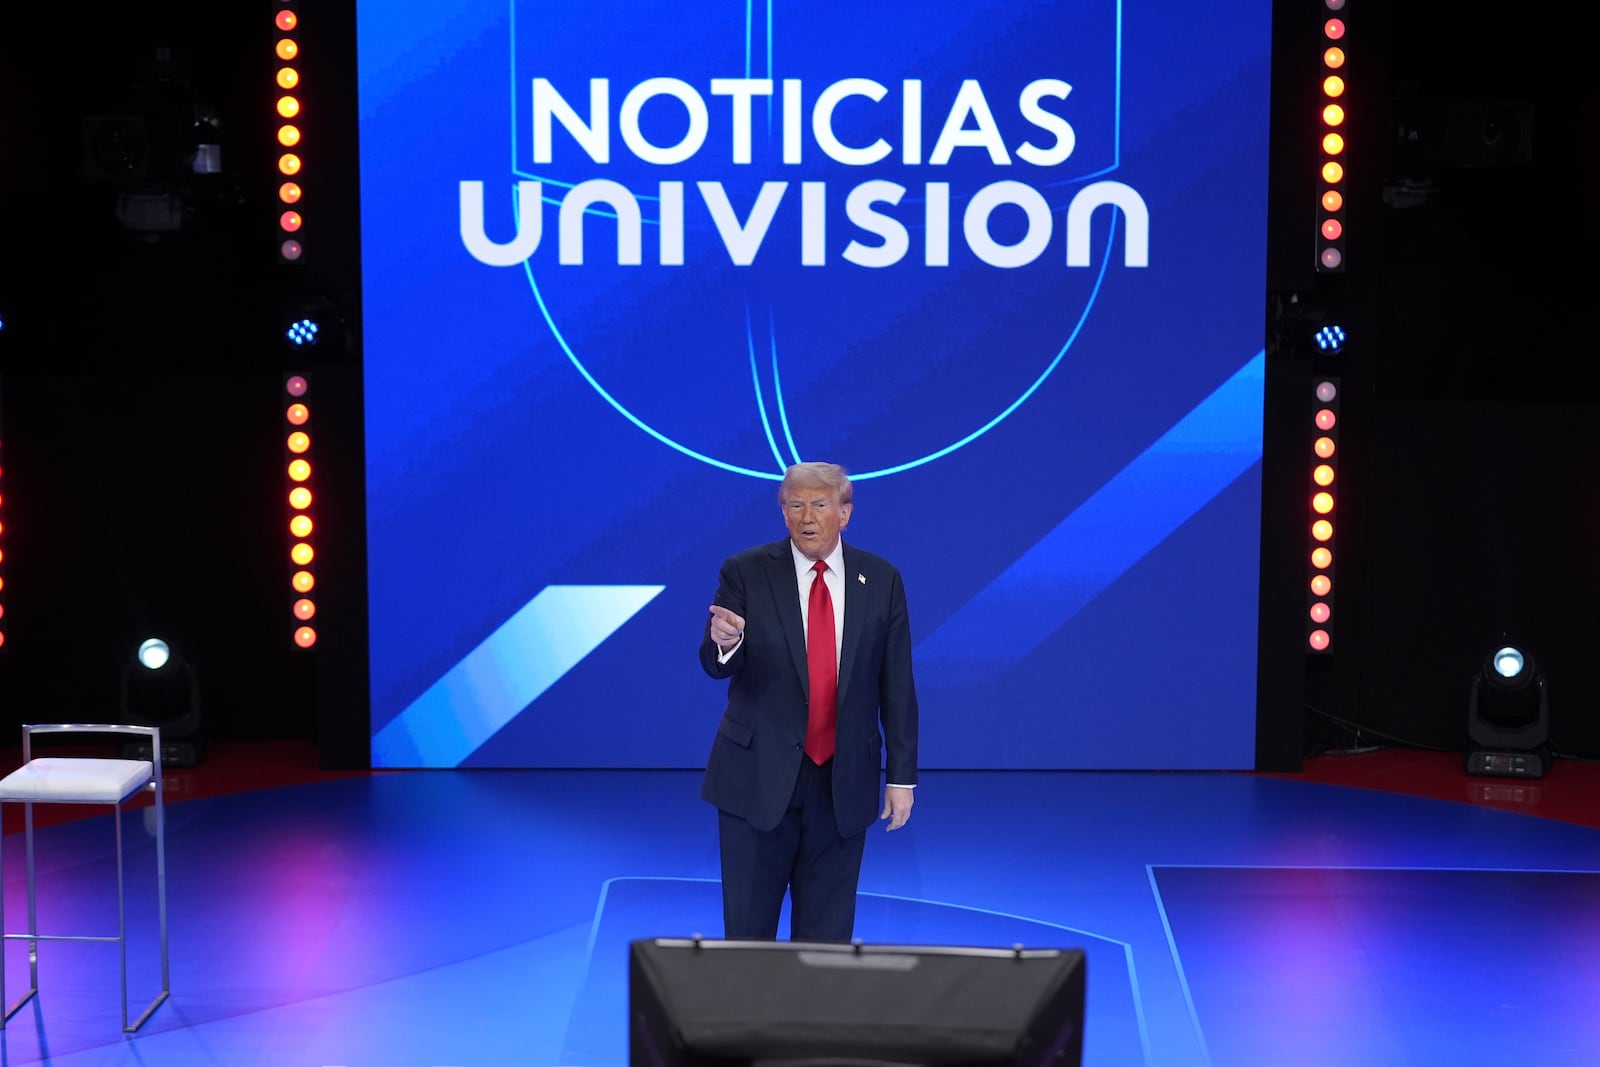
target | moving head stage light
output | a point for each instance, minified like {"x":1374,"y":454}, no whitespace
{"x":1508,"y":717}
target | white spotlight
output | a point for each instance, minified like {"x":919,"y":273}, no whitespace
{"x":154,"y":653}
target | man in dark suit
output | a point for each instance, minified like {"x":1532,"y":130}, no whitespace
{"x":813,"y":637}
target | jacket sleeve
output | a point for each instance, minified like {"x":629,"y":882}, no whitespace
{"x":897,"y":693}
{"x":731,"y":595}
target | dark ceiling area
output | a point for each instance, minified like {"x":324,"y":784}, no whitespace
{"x":1487,"y":205}
{"x":1490,"y":127}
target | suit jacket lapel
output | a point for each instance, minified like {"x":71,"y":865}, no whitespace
{"x":786,"y":599}
{"x":855,"y":613}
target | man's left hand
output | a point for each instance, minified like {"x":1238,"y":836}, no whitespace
{"x":897,"y":801}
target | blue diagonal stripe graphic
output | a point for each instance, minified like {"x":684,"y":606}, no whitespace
{"x":1184,"y":469}
{"x":546,"y":638}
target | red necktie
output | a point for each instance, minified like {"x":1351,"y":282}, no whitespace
{"x":822,"y":664}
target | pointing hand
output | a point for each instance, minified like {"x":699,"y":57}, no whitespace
{"x":726,"y":627}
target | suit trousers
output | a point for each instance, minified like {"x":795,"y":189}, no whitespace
{"x":805,"y":855}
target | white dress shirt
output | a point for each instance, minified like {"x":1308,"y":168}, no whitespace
{"x":834,"y":576}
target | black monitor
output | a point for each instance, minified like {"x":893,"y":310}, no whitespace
{"x":706,"y":1003}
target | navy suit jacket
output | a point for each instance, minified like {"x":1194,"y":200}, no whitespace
{"x":755,"y":756}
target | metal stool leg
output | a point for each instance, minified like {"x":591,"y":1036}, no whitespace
{"x":161,"y":908}
{"x":33,"y":924}
{"x":122,"y":916}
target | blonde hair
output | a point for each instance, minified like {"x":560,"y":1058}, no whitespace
{"x":830,"y":475}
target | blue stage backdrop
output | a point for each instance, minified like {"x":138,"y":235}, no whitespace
{"x":624,"y":261}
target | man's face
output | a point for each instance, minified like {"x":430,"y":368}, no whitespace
{"x":814,"y":517}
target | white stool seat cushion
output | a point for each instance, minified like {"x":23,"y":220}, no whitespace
{"x":75,"y":780}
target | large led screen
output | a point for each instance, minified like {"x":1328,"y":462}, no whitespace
{"x":624,"y":261}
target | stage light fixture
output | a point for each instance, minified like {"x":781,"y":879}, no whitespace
{"x":292,"y":134}
{"x":311,"y":319}
{"x":1331,"y":196}
{"x":153,"y":654}
{"x":303,"y":332}
{"x":302,"y":525}
{"x":1324,"y":509}
{"x":1508,"y":716}
{"x":161,"y":688}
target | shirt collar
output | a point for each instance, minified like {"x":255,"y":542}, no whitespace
{"x":835,"y":560}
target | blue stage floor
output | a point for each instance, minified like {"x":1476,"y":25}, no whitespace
{"x":480,"y":919}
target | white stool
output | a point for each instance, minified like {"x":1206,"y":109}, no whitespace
{"x":73,"y":780}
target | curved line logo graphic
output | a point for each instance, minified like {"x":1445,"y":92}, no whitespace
{"x":783,"y":233}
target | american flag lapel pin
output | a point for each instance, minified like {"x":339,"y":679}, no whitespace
{"x":862,"y":578}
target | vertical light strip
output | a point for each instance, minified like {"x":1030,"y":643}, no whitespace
{"x":2,"y":541}
{"x":1334,"y":146}
{"x":1323,"y":493}
{"x":301,"y":497}
{"x":290,"y":147}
